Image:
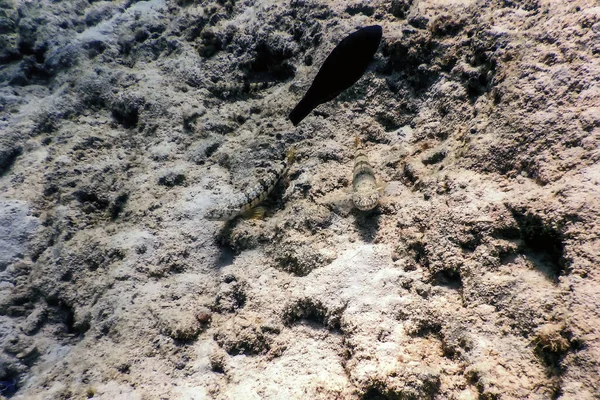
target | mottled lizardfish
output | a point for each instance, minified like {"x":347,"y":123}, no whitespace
{"x":246,"y":203}
{"x":366,"y":191}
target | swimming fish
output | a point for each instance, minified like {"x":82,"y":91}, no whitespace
{"x":246,"y":203}
{"x":366,"y":191}
{"x":342,"y":68}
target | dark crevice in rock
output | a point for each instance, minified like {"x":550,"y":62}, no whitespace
{"x":480,"y":82}
{"x":65,"y":313}
{"x":400,"y":8}
{"x":403,"y":57}
{"x":446,"y":25}
{"x":419,"y":253}
{"x":8,"y":156}
{"x":435,"y":158}
{"x":448,"y":278}
{"x":312,"y":311}
{"x":388,"y":123}
{"x":474,"y":379}
{"x":125,"y":110}
{"x":118,"y":205}
{"x":374,"y":393}
{"x":360,"y":9}
{"x":270,"y":63}
{"x":171,"y":179}
{"x":126,"y":117}
{"x":9,"y":383}
{"x":543,"y":243}
{"x":470,"y":240}
{"x":428,"y":328}
{"x":408,"y":176}
{"x":257,"y":344}
{"x":510,"y":232}
{"x":552,"y":344}
{"x":245,"y":336}
{"x":231,"y":297}
{"x":422,"y":387}
{"x":90,"y":200}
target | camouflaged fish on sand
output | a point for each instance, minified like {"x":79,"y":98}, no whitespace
{"x":366,"y":191}
{"x":246,"y":202}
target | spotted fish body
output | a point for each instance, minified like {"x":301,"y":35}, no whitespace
{"x":366,"y":191}
{"x":244,"y":202}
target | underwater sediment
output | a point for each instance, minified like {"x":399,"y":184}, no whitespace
{"x":122,"y":123}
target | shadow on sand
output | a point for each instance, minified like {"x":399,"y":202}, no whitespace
{"x":226,"y":253}
{"x":367,"y":223}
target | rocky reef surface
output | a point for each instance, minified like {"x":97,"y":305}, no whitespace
{"x":477,"y":277}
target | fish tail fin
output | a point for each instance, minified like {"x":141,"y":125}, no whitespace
{"x":300,"y":112}
{"x":255,"y":213}
{"x":290,"y":155}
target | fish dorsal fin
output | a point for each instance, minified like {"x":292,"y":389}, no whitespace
{"x":255,"y":213}
{"x":381,"y":185}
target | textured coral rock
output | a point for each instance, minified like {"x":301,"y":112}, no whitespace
{"x":477,"y":276}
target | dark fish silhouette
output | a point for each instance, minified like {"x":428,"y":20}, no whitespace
{"x":342,"y":68}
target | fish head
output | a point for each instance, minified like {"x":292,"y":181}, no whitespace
{"x":366,"y":201}
{"x":221,"y":214}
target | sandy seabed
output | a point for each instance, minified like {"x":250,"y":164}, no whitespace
{"x":477,"y":277}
